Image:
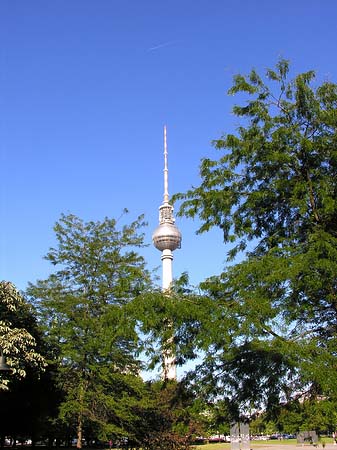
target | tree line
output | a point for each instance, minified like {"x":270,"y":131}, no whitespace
{"x":263,"y":332}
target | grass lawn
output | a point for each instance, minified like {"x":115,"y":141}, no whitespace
{"x":214,"y":446}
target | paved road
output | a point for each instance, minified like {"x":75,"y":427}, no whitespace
{"x":261,"y":446}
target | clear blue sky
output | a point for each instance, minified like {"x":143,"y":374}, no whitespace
{"x":86,"y":87}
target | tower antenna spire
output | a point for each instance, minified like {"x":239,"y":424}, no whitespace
{"x":166,"y":194}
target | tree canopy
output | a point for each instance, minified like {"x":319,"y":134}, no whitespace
{"x":273,"y":193}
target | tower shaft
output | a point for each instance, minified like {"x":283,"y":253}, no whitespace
{"x":167,"y":273}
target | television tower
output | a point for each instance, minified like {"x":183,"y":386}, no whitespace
{"x":167,"y":238}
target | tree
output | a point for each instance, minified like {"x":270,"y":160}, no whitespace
{"x":174,"y":420}
{"x":310,"y":414}
{"x":273,"y":193}
{"x":19,"y":336}
{"x":22,"y":390}
{"x":81,"y":306}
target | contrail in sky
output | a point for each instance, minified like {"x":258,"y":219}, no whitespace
{"x":157,"y":47}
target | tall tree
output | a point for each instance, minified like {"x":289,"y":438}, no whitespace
{"x":273,"y":193}
{"x":81,"y":305}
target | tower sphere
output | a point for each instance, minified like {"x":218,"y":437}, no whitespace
{"x":166,"y":237}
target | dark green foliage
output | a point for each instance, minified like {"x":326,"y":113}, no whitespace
{"x":318,"y":414}
{"x":175,"y":419}
{"x":273,"y":193}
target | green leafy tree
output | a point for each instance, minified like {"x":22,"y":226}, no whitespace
{"x":273,"y":193}
{"x":19,"y":336}
{"x":175,"y":419}
{"x":318,"y":415}
{"x":308,"y":414}
{"x":22,"y":390}
{"x":82,"y":308}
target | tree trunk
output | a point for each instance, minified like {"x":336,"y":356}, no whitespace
{"x":79,"y":432}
